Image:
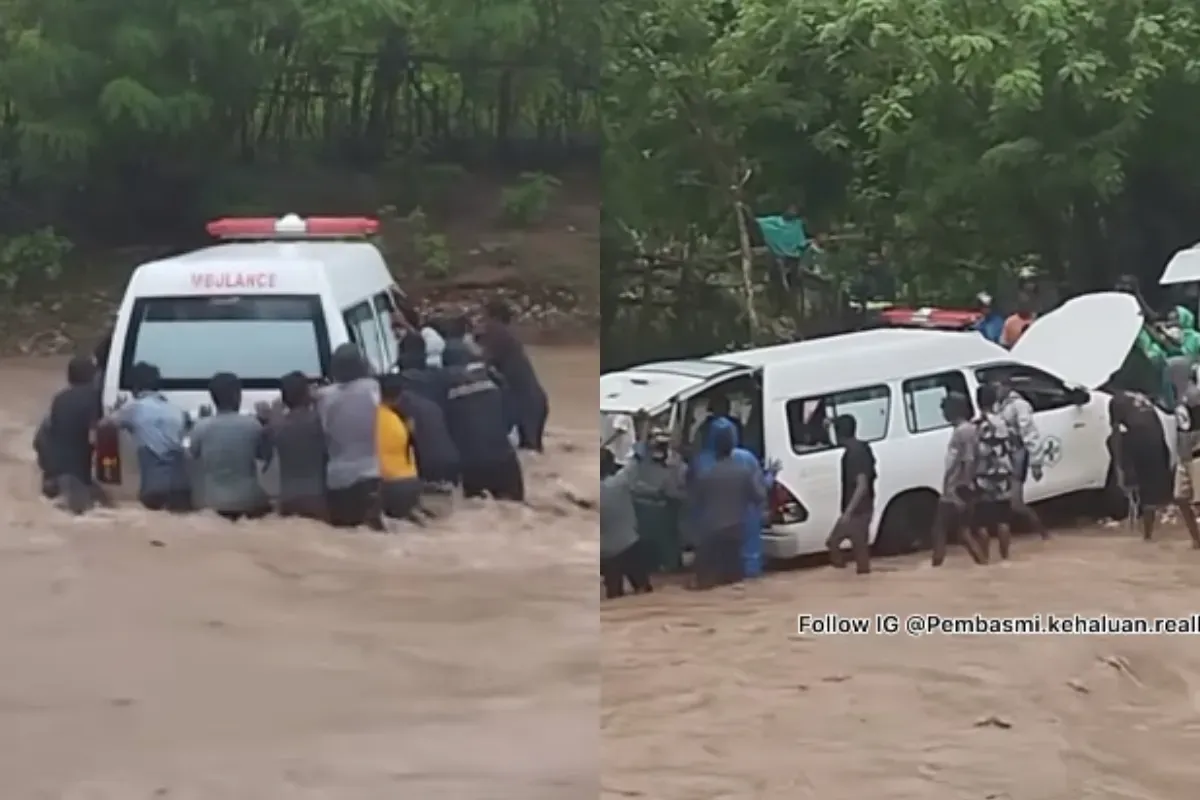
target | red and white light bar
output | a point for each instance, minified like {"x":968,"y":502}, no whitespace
{"x":292,"y":226}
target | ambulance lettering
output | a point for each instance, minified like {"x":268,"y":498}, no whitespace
{"x":233,"y":280}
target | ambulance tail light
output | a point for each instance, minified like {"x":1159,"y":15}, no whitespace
{"x":292,"y":227}
{"x":783,"y":507}
{"x":108,"y":454}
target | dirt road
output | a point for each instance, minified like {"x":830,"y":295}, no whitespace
{"x":717,"y":696}
{"x":145,"y":656}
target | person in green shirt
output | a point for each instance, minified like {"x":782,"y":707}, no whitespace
{"x":1181,"y":329}
{"x":1145,"y":368}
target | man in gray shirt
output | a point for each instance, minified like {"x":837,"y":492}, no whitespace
{"x":227,"y":448}
{"x":348,"y":410}
{"x":958,"y":482}
{"x":621,"y":555}
{"x":299,"y":449}
{"x":722,"y":493}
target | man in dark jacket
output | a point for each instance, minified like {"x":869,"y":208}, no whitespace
{"x":415,"y":374}
{"x":437,"y":455}
{"x":45,"y":459}
{"x":476,"y":420}
{"x":456,"y":331}
{"x":505,"y":352}
{"x":74,"y":415}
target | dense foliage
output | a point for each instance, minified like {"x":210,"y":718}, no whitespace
{"x":947,"y":142}
{"x":123,"y":116}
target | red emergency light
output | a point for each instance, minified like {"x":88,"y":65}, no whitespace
{"x":937,"y":318}
{"x":292,"y":227}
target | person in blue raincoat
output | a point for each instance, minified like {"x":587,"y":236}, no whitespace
{"x":752,"y":515}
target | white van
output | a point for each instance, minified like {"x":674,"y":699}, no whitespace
{"x":892,"y":382}
{"x":276,"y":295}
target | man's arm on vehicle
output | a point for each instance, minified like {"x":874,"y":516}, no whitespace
{"x":1029,"y":433}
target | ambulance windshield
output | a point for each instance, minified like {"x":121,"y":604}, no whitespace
{"x":259,"y":338}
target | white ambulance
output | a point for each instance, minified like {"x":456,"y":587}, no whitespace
{"x":892,"y":382}
{"x":274,"y":296}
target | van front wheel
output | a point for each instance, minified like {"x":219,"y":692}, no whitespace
{"x":907,"y":524}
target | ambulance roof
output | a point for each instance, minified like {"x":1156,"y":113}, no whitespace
{"x":351,"y":271}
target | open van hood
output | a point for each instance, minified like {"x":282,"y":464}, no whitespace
{"x":631,"y":391}
{"x":1184,"y":267}
{"x":1085,"y":340}
{"x":650,"y":387}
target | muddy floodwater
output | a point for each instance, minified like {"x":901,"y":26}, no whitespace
{"x":716,"y":697}
{"x":145,"y":656}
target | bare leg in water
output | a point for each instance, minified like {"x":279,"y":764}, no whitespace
{"x":1022,"y":513}
{"x":1004,"y":537}
{"x":974,"y":544}
{"x":1189,"y":521}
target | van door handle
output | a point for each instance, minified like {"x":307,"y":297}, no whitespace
{"x":1079,"y":424}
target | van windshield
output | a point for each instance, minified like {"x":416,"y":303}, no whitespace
{"x":259,"y":338}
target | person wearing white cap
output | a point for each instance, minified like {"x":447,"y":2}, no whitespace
{"x":435,"y":345}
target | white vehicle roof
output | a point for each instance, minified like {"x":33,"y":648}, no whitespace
{"x":867,"y":357}
{"x":350,"y":270}
{"x":1084,"y":341}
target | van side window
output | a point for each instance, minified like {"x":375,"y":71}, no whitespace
{"x":363,"y":327}
{"x":923,"y":400}
{"x":1043,"y":391}
{"x":810,"y":420}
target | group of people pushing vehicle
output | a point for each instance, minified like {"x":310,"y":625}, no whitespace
{"x":991,"y":455}
{"x":350,"y":451}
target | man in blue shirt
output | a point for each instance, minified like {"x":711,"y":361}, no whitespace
{"x":158,"y":429}
{"x":991,"y":327}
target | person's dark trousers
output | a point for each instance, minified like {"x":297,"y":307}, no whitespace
{"x":401,"y":498}
{"x":531,"y":427}
{"x":307,"y":507}
{"x":78,"y":495}
{"x":238,"y":516}
{"x":355,"y":505}
{"x":718,"y":560}
{"x":501,"y":479}
{"x":628,"y":565}
{"x":441,"y":474}
{"x":176,"y":501}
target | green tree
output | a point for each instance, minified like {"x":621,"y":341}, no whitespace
{"x":953,"y":141}
{"x":128,"y":112}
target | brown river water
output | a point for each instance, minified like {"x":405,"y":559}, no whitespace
{"x":717,"y":698}
{"x":155,"y":657}
{"x":146,"y":656}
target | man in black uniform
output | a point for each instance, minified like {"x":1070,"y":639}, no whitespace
{"x":475,"y":417}
{"x":1140,"y":455}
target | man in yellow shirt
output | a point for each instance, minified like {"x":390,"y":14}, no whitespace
{"x":401,"y":486}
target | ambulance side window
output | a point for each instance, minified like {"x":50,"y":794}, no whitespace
{"x":384,"y":310}
{"x":363,"y":327}
{"x":923,"y":400}
{"x":810,"y":420}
